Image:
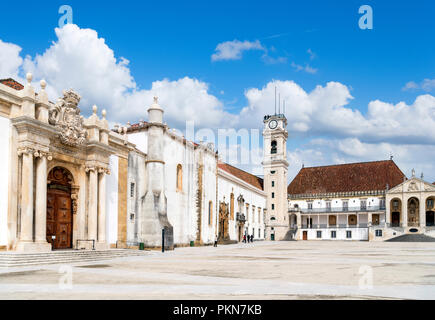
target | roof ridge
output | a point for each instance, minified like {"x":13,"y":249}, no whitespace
{"x":350,"y":163}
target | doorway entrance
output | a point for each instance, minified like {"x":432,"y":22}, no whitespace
{"x":59,"y":213}
{"x":395,"y":219}
{"x":430,"y":219}
{"x":305,"y":235}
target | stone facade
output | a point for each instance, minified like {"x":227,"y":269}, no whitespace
{"x":57,"y":167}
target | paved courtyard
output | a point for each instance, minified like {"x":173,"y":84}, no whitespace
{"x":262,"y":270}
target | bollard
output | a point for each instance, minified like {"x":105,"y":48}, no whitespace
{"x":163,"y":240}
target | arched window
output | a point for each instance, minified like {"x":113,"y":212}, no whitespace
{"x":232,"y":206}
{"x":273,"y":146}
{"x":179,"y":177}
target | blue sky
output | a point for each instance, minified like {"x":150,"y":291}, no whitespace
{"x":176,"y":39}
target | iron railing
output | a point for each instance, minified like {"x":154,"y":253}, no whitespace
{"x":343,"y":209}
{"x":84,"y":240}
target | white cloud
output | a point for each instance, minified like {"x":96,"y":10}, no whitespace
{"x":307,"y":68}
{"x":81,"y":60}
{"x":312,"y":54}
{"x":10,"y":60}
{"x":325,"y":111}
{"x":232,"y":50}
{"x":427,"y":85}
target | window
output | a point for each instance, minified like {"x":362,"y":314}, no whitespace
{"x":395,"y":204}
{"x":179,"y":177}
{"x":319,"y":234}
{"x":273,"y":206}
{"x":259,"y":215}
{"x":349,"y":234}
{"x":259,"y":233}
{"x":382,"y":203}
{"x":333,"y":234}
{"x":273,"y":183}
{"x":210,"y":212}
{"x":132,"y":189}
{"x":429,"y":203}
{"x":378,"y":233}
{"x":273,"y":195}
{"x":363,"y":204}
{"x":310,"y":206}
{"x":272,"y":218}
{"x":328,"y":205}
{"x":273,"y":146}
{"x":272,"y":172}
{"x":232,"y":206}
{"x":345,"y":205}
{"x":375,"y":219}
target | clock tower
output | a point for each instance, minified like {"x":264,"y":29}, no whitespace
{"x":275,"y":175}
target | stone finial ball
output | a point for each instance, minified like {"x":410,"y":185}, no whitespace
{"x":104,"y":113}
{"x":43,"y":84}
{"x":94,"y":108}
{"x":29,"y":77}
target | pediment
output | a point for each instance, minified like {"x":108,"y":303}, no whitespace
{"x":413,"y":185}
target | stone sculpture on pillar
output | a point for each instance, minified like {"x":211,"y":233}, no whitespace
{"x":153,"y":215}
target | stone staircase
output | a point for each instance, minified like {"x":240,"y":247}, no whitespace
{"x":412,"y":238}
{"x":14,"y":259}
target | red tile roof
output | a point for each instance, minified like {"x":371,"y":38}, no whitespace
{"x":12,"y":83}
{"x":363,"y":176}
{"x":242,"y":175}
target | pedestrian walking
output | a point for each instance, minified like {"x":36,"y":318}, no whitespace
{"x":252,"y":238}
{"x":244,"y":238}
{"x":215,"y":241}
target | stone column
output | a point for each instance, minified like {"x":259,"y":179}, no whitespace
{"x":422,"y":213}
{"x":404,"y":213}
{"x":93,"y":204}
{"x":26,"y":234}
{"x":102,"y":206}
{"x":41,"y":200}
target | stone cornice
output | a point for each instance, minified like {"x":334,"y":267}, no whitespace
{"x":10,"y":95}
{"x":336,"y":194}
{"x":24,"y":123}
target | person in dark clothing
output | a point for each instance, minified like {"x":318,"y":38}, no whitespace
{"x":244,"y":238}
{"x":215,"y":241}
{"x":252,"y":238}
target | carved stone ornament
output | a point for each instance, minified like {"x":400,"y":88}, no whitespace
{"x":413,"y":186}
{"x":66,"y":117}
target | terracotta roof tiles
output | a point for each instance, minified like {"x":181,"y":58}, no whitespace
{"x":12,"y":84}
{"x":242,"y":175}
{"x":363,"y":176}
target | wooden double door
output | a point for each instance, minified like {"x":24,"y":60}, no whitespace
{"x":59,"y":219}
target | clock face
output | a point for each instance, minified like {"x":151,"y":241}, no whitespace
{"x":273,"y":124}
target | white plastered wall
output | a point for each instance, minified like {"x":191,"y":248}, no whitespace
{"x":4,"y":172}
{"x":112,"y":201}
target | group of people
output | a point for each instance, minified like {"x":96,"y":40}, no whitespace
{"x":249,"y":238}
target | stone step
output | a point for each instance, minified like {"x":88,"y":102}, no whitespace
{"x":27,"y":259}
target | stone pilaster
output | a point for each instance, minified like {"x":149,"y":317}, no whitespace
{"x":102,"y":244}
{"x":41,"y":198}
{"x":26,"y":232}
{"x":93,"y":203}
